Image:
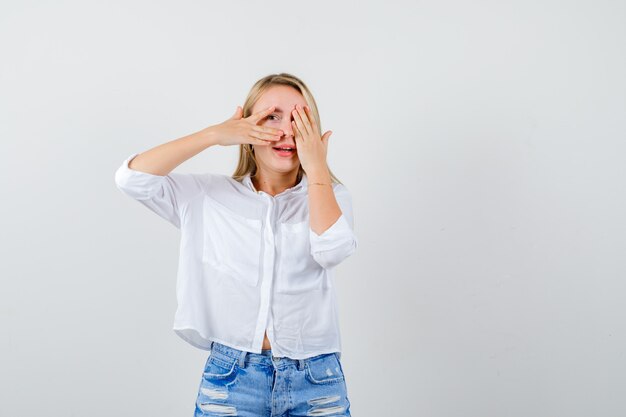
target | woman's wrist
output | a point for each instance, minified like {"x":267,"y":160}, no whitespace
{"x":208,"y":135}
{"x":319,"y":174}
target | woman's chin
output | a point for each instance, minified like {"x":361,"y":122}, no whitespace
{"x":286,"y":169}
{"x":286,"y":166}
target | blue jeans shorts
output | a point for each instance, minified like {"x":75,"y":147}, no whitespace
{"x":240,"y":383}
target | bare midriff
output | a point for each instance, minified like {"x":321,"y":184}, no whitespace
{"x":266,"y":343}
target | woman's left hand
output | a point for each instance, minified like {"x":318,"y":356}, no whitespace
{"x":312,"y":149}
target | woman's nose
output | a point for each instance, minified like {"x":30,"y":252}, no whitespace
{"x":287,"y":130}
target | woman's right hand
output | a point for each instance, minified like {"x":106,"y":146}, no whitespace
{"x":238,"y":130}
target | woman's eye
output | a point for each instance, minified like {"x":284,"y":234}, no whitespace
{"x":272,"y":117}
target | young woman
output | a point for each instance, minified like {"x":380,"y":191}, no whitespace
{"x":255,"y":279}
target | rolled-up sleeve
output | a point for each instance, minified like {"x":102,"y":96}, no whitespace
{"x":166,"y":195}
{"x":338,"y":241}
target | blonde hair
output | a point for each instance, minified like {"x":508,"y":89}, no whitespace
{"x":247,"y":162}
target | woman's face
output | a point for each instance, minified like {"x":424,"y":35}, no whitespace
{"x":284,"y":98}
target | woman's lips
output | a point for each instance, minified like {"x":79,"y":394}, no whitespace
{"x":284,"y":153}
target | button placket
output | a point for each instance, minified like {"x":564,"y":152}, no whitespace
{"x":268,"y":270}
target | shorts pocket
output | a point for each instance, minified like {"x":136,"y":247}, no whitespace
{"x":324,"y":369}
{"x":232,"y":242}
{"x":218,"y":369}
{"x":298,"y":272}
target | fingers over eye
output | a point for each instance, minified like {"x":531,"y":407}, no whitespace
{"x":312,"y":121}
{"x":296,"y":130}
{"x":305,"y":120}
{"x":258,"y":116}
{"x":297,"y":116}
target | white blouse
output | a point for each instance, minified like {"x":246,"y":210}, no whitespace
{"x":248,"y":261}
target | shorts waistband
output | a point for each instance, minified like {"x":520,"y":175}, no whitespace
{"x":264,"y":358}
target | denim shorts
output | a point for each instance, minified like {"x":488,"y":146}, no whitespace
{"x":240,"y":383}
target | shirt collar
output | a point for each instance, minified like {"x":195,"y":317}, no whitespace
{"x":299,"y":187}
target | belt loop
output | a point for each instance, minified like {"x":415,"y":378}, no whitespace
{"x":300,"y":364}
{"x":242,"y":358}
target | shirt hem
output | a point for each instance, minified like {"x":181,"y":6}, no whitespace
{"x":180,"y":331}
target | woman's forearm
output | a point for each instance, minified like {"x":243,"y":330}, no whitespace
{"x":162,"y":159}
{"x":323,"y":207}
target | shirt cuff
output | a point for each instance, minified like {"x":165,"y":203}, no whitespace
{"x":329,"y":239}
{"x":137,"y":184}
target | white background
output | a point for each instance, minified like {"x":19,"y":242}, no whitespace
{"x":483,"y":143}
